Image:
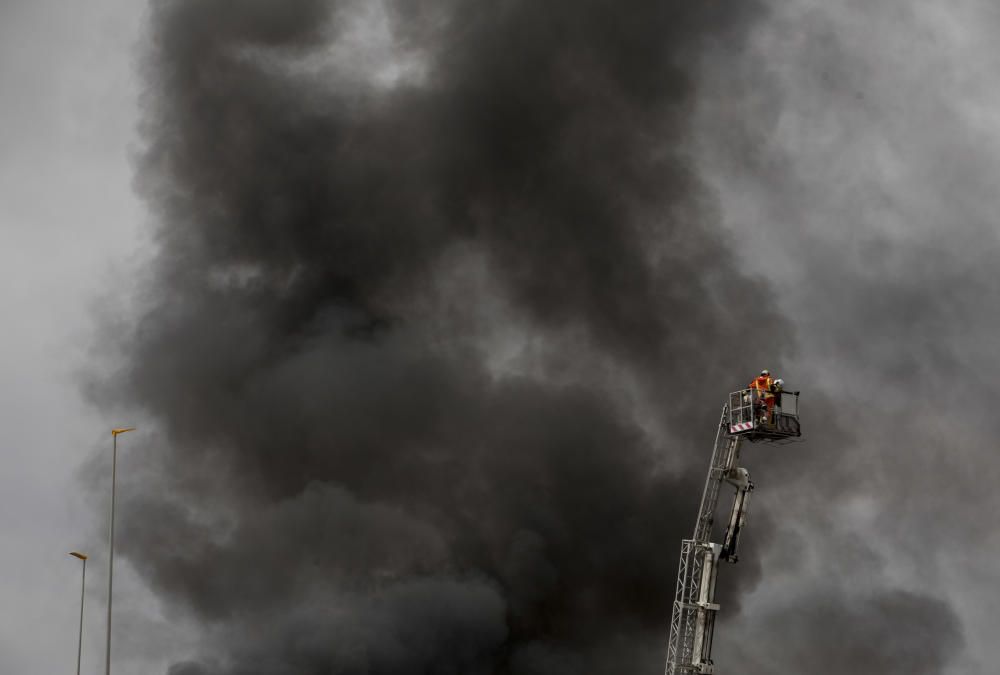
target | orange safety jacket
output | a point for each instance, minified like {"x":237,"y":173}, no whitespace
{"x":762,"y":384}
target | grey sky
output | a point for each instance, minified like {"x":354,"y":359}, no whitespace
{"x":71,"y":230}
{"x":853,"y":153}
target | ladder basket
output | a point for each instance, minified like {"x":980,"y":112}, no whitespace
{"x":764,"y":416}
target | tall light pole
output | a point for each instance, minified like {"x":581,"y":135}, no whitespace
{"x":111,"y":538}
{"x":83,"y":588}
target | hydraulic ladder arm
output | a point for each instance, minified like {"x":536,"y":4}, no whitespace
{"x":692,"y":623}
{"x":692,"y":620}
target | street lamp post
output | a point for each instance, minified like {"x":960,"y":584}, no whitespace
{"x":111,"y":538}
{"x":83,"y":588}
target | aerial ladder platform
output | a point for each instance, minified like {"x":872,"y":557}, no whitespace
{"x":748,"y":415}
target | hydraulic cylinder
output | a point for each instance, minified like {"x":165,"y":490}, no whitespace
{"x":705,"y":617}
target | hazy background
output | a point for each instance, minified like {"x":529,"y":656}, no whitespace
{"x":72,"y":230}
{"x":851,"y":158}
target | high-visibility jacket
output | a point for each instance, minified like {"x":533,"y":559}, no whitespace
{"x":762,"y":384}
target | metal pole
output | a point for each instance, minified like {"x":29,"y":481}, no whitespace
{"x":111,"y":536}
{"x":111,"y":547}
{"x":83,"y":588}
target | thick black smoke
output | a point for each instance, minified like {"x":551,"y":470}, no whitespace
{"x":891,"y":632}
{"x":437,"y":332}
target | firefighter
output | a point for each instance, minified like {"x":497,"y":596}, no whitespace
{"x":778,"y":387}
{"x":762,"y":382}
{"x":762,"y":389}
{"x":774,"y":405}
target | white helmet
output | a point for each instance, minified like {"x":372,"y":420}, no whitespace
{"x":765,"y":372}
{"x":779,"y":383}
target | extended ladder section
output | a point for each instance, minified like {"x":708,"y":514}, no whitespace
{"x":692,"y":621}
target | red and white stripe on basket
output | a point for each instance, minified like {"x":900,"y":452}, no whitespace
{"x":740,"y":426}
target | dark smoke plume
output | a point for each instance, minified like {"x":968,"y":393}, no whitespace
{"x":436,"y":335}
